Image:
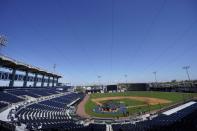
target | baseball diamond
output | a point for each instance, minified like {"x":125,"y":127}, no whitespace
{"x":135,"y":102}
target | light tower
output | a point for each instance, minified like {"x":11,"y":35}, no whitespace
{"x":186,"y":68}
{"x":3,"y":42}
{"x":125,"y":76}
{"x":155,"y":74}
{"x":99,"y":77}
{"x":54,"y":67}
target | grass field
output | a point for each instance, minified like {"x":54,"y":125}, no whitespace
{"x":127,"y":102}
{"x":173,"y":97}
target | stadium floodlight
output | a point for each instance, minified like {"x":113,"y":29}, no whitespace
{"x":125,"y":78}
{"x":3,"y":42}
{"x":155,"y":74}
{"x":186,"y":68}
{"x":54,"y":67}
{"x":99,"y":77}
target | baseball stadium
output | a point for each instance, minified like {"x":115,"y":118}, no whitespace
{"x":98,"y":65}
{"x":121,"y":106}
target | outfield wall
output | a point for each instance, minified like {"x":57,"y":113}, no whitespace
{"x":134,"y":86}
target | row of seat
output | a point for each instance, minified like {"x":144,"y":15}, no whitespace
{"x":159,"y":122}
{"x":68,"y":98}
{"x":48,"y":114}
{"x":53,"y":103}
{"x":17,"y":95}
{"x":38,"y":92}
{"x":90,"y":127}
{"x":67,"y":125}
{"x":23,"y":92}
{"x":2,"y":105}
{"x":9,"y":98}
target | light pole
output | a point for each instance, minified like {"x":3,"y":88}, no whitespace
{"x":126,"y":85}
{"x":54,"y":67}
{"x":186,"y":68}
{"x":155,"y":74}
{"x":125,"y":78}
{"x":99,"y":77}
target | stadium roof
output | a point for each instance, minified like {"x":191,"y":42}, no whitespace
{"x":14,"y":64}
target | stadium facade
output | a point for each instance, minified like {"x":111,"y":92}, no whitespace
{"x":15,"y":65}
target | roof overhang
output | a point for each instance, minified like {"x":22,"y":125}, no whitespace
{"x":13,"y":64}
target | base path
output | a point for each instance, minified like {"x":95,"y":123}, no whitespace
{"x":81,"y":108}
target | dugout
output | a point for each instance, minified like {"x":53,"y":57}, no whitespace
{"x":112,"y":88}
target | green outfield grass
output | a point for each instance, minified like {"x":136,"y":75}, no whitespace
{"x":174,"y":97}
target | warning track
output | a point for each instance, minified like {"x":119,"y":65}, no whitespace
{"x":81,"y":108}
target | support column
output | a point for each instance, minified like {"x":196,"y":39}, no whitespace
{"x":42,"y":83}
{"x":48,"y":81}
{"x":25,"y":80}
{"x":11,"y":84}
{"x":53,"y":81}
{"x":35,"y":79}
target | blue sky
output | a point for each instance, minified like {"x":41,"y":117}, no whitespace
{"x":86,"y":38}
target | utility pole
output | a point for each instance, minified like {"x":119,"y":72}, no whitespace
{"x":3,"y":42}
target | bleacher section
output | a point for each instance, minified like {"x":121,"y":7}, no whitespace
{"x":2,"y":105}
{"x":48,"y":114}
{"x":23,"y":93}
{"x":162,"y":122}
{"x":9,"y":98}
{"x":40,"y":92}
{"x":36,"y":93}
{"x":91,"y":127}
{"x":18,"y":95}
{"x":4,"y":126}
